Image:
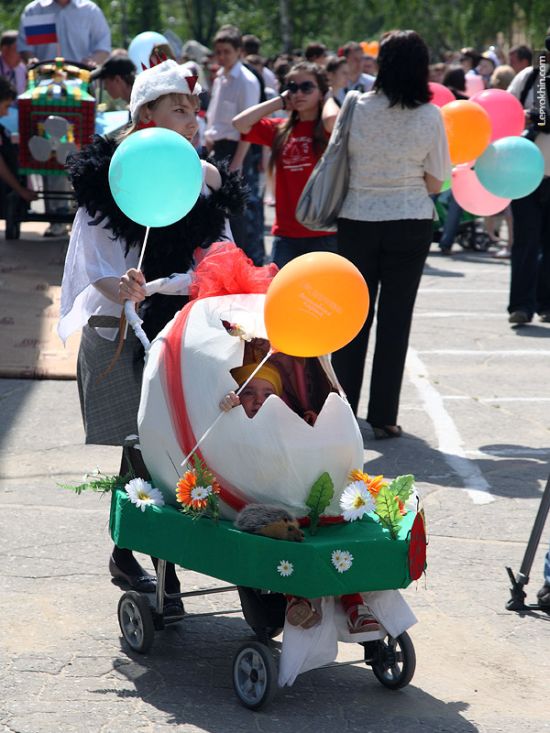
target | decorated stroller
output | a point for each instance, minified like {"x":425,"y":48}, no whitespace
{"x":276,"y":458}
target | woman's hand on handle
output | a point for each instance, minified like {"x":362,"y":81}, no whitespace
{"x":132,"y":286}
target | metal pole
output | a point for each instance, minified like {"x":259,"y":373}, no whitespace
{"x":517,"y":601}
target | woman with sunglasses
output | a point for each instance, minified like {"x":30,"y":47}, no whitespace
{"x":296,"y":145}
{"x":398,"y":156}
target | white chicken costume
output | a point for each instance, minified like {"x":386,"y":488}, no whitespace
{"x":273,"y":458}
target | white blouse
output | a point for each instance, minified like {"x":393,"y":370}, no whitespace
{"x":93,"y":255}
{"x":390,"y":149}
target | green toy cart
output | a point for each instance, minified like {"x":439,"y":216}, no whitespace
{"x":281,"y":568}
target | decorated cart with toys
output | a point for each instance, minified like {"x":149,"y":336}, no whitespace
{"x":274,"y":503}
{"x":56,"y":117}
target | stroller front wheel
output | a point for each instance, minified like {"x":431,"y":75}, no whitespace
{"x":135,"y":618}
{"x":254,"y":675}
{"x":393,"y":661}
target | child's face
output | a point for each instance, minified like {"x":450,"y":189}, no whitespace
{"x":174,"y":112}
{"x":226,"y":55}
{"x":255,"y":394}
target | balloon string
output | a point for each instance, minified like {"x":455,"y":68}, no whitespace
{"x":140,"y":262}
{"x":208,"y":430}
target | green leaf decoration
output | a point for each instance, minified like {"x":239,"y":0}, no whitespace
{"x":100,"y":483}
{"x":319,"y":498}
{"x":388,"y":512}
{"x":402,"y":487}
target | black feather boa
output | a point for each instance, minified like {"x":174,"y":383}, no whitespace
{"x":169,"y":249}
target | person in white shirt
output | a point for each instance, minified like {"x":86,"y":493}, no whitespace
{"x":398,"y":156}
{"x":235,"y":89}
{"x":358,"y":81}
{"x":11,"y":66}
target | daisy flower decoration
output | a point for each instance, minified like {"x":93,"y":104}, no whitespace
{"x":356,"y":501}
{"x":197,"y":491}
{"x":342,"y":560}
{"x":142,"y":494}
{"x":285,"y":568}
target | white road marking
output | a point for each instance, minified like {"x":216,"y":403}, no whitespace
{"x":470,"y":315}
{"x":485,"y":352}
{"x":524,"y":451}
{"x":476,"y":291}
{"x":490,"y":400}
{"x":448,"y":438}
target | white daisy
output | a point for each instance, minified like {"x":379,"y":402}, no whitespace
{"x":199,"y":493}
{"x":342,"y":560}
{"x":356,"y":501}
{"x":285,"y":568}
{"x":142,"y":494}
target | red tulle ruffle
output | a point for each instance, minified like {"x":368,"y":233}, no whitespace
{"x":224,"y":269}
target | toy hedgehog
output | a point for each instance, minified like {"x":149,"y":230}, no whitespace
{"x":269,"y":521}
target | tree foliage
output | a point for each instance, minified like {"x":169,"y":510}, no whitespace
{"x":445,"y":24}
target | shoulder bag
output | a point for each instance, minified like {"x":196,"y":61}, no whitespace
{"x":324,"y":193}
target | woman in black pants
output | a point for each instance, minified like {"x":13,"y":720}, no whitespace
{"x":398,"y":156}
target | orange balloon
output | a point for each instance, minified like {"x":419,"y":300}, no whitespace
{"x":468,"y":128}
{"x":315,"y":304}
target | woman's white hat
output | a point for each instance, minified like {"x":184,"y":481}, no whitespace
{"x":165,"y":78}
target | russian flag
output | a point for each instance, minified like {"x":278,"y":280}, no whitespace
{"x":40,"y":29}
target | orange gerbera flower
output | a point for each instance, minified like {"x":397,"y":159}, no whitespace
{"x":373,"y":484}
{"x":194,"y":495}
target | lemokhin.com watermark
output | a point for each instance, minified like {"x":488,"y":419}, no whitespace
{"x":541,"y":91}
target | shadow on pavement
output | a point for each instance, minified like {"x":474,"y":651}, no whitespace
{"x":509,"y":476}
{"x":188,"y":676}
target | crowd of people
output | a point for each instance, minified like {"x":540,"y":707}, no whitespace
{"x":260,"y":126}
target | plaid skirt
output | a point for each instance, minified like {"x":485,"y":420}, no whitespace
{"x":109,"y":403}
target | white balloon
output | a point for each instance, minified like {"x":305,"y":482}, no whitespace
{"x":141,"y":46}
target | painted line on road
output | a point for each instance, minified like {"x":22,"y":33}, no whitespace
{"x":448,"y":438}
{"x":489,"y":400}
{"x":511,"y":451}
{"x":473,"y":291}
{"x":485,"y":352}
{"x":470,"y":315}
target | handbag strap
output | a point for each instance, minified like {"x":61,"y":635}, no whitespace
{"x":343,"y":122}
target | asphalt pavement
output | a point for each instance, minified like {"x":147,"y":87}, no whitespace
{"x":474,"y":412}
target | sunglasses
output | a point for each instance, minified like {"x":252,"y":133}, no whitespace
{"x":306,"y":87}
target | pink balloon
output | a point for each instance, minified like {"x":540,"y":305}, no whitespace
{"x":472,"y":196}
{"x":474,"y":84}
{"x":441,"y":95}
{"x":506,"y":113}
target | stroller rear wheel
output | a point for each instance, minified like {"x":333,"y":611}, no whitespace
{"x":393,"y":661}
{"x":254,"y":675}
{"x":135,"y":618}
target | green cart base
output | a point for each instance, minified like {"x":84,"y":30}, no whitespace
{"x":224,"y":552}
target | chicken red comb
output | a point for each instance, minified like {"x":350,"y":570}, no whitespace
{"x":191,"y":81}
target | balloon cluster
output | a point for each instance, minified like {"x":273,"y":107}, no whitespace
{"x":493,"y":164}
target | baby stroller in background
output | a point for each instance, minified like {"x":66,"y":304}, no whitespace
{"x":471,"y":232}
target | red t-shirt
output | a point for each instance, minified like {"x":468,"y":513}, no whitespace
{"x":293,"y":168}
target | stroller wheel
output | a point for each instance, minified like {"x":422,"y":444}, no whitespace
{"x":393,"y":661}
{"x":135,"y":618}
{"x":254,"y":675}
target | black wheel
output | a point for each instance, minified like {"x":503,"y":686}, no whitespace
{"x":393,"y":661}
{"x":254,"y":675}
{"x":482,"y":242}
{"x":135,"y":618}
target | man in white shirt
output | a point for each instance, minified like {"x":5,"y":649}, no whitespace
{"x":358,"y":81}
{"x":74,"y":29}
{"x":235,"y":89}
{"x":11,"y":66}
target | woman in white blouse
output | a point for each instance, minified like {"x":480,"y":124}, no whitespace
{"x":398,"y":156}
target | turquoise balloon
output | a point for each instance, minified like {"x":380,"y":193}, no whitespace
{"x":155,"y":176}
{"x":511,"y":167}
